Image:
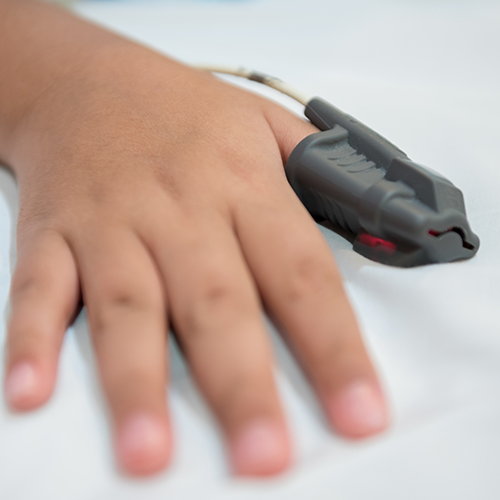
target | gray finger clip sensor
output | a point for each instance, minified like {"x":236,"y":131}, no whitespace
{"x":401,"y":214}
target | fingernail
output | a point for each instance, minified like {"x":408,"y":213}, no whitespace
{"x":261,"y":448}
{"x":143,"y":444}
{"x":359,"y":410}
{"x":21,"y":384}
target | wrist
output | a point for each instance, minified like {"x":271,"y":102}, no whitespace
{"x":55,"y":62}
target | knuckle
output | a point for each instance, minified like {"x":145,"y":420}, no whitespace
{"x":38,"y":232}
{"x":310,"y":276}
{"x":34,"y":214}
{"x":31,"y":278}
{"x":114,"y":304}
{"x":116,"y":298}
{"x":42,"y":218}
{"x":24,"y":287}
{"x":214,"y":305}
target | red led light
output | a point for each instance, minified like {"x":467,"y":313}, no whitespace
{"x":373,"y":242}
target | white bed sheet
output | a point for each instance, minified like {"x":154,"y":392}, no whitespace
{"x":425,"y":74}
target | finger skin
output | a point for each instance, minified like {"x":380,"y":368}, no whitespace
{"x":302,"y":286}
{"x":44,"y":295}
{"x":288,"y":129}
{"x":217,"y":318}
{"x":127,"y":317}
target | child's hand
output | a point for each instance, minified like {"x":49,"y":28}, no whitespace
{"x":160,"y":192}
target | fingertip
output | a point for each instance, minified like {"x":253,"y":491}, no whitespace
{"x":262,"y":448}
{"x":25,"y":387}
{"x":144,"y":444}
{"x":359,"y":410}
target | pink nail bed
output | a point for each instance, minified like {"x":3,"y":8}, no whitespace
{"x":142,"y":433}
{"x":261,"y":448}
{"x":364,"y":406}
{"x":21,"y":382}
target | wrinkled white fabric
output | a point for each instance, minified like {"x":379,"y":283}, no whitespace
{"x":427,"y":76}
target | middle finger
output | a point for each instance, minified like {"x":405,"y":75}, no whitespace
{"x":216,"y":315}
